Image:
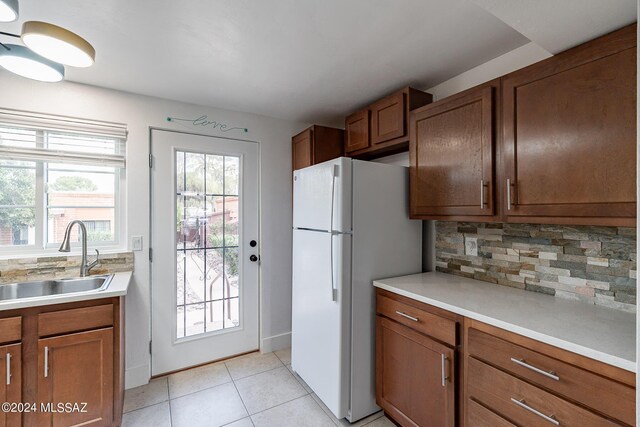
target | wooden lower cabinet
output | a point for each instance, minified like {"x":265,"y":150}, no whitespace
{"x":477,"y":375}
{"x":10,"y":382}
{"x":66,"y":361}
{"x":411,"y":366}
{"x":77,"y":369}
{"x":415,"y":372}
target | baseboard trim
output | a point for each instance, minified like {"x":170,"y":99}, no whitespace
{"x":276,"y":342}
{"x":137,"y":376}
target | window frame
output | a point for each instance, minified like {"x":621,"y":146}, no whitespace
{"x":41,"y":246}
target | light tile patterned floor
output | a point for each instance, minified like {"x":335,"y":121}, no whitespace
{"x":256,"y":390}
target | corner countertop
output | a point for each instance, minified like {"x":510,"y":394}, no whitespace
{"x":600,"y":333}
{"x":118,"y":287}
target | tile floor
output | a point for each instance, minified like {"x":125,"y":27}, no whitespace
{"x":254,"y":390}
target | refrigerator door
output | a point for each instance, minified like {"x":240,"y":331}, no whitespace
{"x":321,"y":326}
{"x":322,"y":196}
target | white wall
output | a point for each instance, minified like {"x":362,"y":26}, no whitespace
{"x":139,"y":113}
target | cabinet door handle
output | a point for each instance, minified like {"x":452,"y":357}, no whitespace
{"x":521,"y":403}
{"x":508,"y":194}
{"x":445,"y":377}
{"x":8,"y":368}
{"x":403,"y":314}
{"x":46,"y":362}
{"x":482,"y":194}
{"x":549,"y":374}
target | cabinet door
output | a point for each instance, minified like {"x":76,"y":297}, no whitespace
{"x":357,"y":131}
{"x":452,"y":156}
{"x":77,"y":369}
{"x":303,"y":149}
{"x":10,"y":382}
{"x":570,"y":135}
{"x":415,"y":376}
{"x":388,"y":118}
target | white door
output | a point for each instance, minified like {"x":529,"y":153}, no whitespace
{"x":204,"y":236}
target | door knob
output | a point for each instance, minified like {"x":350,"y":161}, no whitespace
{"x":253,"y":258}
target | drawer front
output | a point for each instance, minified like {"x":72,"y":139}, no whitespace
{"x":422,"y":321}
{"x":74,"y":320}
{"x":10,"y":329}
{"x":524,"y":403}
{"x":479,"y":416}
{"x":602,"y":394}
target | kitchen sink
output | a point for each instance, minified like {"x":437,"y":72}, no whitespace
{"x":12,"y":291}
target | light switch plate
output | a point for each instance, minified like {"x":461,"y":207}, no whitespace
{"x":136,"y":243}
{"x":471,"y":246}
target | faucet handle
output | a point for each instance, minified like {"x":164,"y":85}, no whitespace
{"x":95,"y":261}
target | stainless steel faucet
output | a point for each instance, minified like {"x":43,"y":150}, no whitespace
{"x":66,"y":247}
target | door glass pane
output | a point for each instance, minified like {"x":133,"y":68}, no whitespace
{"x":207,"y":243}
{"x":231,"y":175}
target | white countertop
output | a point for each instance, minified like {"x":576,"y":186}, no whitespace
{"x":118,"y":287}
{"x":596,"y":332}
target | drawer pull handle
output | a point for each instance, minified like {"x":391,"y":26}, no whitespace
{"x":548,"y":374}
{"x":521,"y":403}
{"x":415,"y":319}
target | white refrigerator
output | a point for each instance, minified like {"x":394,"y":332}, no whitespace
{"x":350,"y":226}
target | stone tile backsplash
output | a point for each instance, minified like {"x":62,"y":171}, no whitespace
{"x":596,"y":265}
{"x":49,"y":267}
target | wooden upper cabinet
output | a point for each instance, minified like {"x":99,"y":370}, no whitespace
{"x":381,"y":129}
{"x":11,"y":382}
{"x":356,"y":128}
{"x":570,"y":136}
{"x":388,"y":118}
{"x":77,"y":368}
{"x":302,"y":149}
{"x":452,"y":155}
{"x":316,"y":144}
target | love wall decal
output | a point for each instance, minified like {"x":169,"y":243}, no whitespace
{"x":204,"y":121}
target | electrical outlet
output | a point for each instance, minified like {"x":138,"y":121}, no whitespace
{"x":136,"y":243}
{"x":471,"y":246}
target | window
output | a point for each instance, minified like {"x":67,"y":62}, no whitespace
{"x":54,"y":170}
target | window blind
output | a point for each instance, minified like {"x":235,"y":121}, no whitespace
{"x":38,"y":137}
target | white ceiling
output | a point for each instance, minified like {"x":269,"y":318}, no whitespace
{"x":559,"y":25}
{"x":306,"y":60}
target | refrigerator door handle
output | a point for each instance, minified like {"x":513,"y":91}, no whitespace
{"x":334,"y":291}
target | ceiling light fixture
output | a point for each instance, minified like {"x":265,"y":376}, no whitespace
{"x":48,"y":48}
{"x":22,"y":61}
{"x":8,"y":10}
{"x":58,"y":44}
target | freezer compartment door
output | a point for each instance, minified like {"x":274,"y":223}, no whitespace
{"x":321,"y":326}
{"x":322,"y":196}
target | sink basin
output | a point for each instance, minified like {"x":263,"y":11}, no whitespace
{"x":44,"y":288}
